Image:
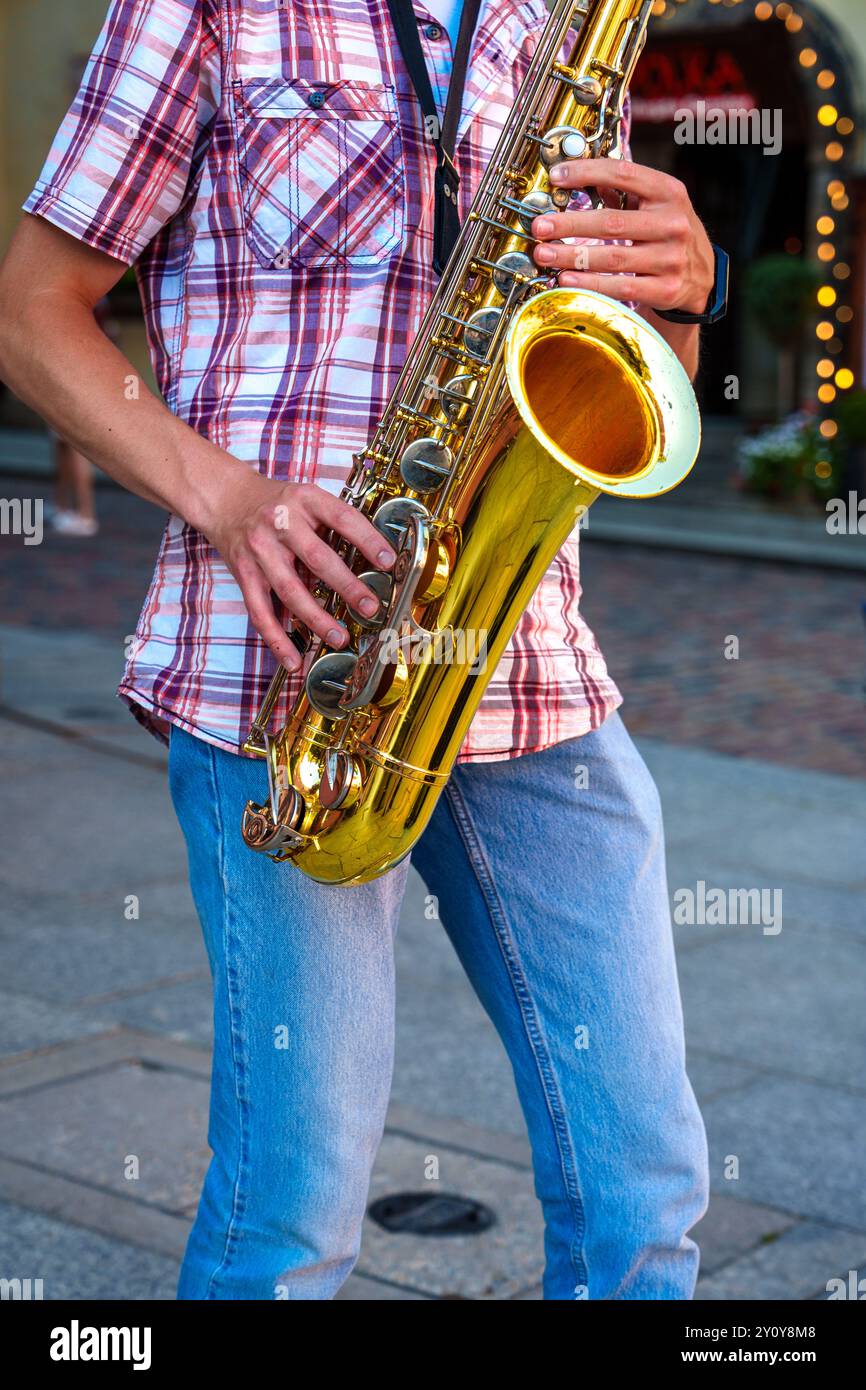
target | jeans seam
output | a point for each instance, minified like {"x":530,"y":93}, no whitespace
{"x":238,"y":1200}
{"x":484,"y":876}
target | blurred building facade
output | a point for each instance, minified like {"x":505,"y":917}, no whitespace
{"x":806,"y":60}
{"x":44,"y":45}
{"x":800,"y":66}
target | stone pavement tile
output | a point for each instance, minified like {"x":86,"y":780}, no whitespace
{"x":112,"y":829}
{"x":743,"y":809}
{"x":90,"y":1126}
{"x":470,"y":1078}
{"x":701,"y":526}
{"x":68,"y":677}
{"x":751,"y":836}
{"x":180,"y":1009}
{"x":86,"y":1056}
{"x":824,"y":904}
{"x":791,"y":1003}
{"x":800,"y":1148}
{"x":164,"y":903}
{"x":68,"y":948}
{"x":694,"y":769}
{"x":711,"y":1075}
{"x":456,"y":1134}
{"x":359,"y":1288}
{"x":835,"y":907}
{"x":796,"y":1266}
{"x":497,"y":1264}
{"x":79,"y":1111}
{"x":732,"y":1227}
{"x":847,"y":1283}
{"x":94,"y":1209}
{"x":28,"y":1024}
{"x":74,"y":1263}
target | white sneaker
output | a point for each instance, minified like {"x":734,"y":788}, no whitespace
{"x":73,"y":524}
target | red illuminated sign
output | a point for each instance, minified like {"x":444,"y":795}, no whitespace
{"x":670,"y":80}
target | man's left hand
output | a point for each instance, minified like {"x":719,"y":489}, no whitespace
{"x":669,"y":264}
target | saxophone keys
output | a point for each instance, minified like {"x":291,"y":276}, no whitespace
{"x":379,"y":679}
{"x":586,"y":89}
{"x":273,"y":830}
{"x":511,"y":266}
{"x":574,"y":145}
{"x":382,"y":585}
{"x":393,"y":681}
{"x":434,"y":578}
{"x":455,"y":395}
{"x":341,"y":782}
{"x":328,"y":680}
{"x":257,"y":827}
{"x":562,"y":142}
{"x":393,"y":518}
{"x":480,"y":329}
{"x":532,"y":206}
{"x":425,"y":464}
{"x":610,"y":70}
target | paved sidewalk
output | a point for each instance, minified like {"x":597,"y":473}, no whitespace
{"x":104,"y":1024}
{"x":741,"y":656}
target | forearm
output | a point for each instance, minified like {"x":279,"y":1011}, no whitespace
{"x":684,"y":338}
{"x":56,"y":358}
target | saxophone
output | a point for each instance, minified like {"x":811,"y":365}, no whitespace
{"x":518,"y":404}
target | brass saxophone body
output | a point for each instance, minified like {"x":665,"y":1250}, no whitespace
{"x":517,"y":406}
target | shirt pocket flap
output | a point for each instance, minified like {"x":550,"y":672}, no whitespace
{"x":300,"y":96}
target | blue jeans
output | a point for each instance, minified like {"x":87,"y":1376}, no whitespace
{"x":554,"y":896}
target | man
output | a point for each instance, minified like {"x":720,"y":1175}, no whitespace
{"x":265,"y":166}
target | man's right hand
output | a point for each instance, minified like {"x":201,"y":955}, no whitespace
{"x":262,"y":528}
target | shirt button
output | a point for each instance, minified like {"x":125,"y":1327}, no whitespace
{"x":316,"y":99}
{"x":433,"y":31}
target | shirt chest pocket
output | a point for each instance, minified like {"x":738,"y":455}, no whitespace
{"x":321,"y":171}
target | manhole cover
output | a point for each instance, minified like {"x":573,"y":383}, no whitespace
{"x":432,"y":1214}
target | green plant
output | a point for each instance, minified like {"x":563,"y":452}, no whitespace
{"x":782,"y":461}
{"x":850,"y":416}
{"x":780,"y":290}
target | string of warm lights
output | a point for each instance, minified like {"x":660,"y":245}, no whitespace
{"x":839,"y":128}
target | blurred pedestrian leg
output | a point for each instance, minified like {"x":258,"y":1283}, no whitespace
{"x":75,"y":513}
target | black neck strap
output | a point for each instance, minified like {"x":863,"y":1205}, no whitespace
{"x":443,"y":135}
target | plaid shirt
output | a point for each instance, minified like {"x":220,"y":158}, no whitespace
{"x":263,"y":163}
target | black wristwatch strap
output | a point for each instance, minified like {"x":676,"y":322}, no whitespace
{"x":717,"y":303}
{"x":446,"y":225}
